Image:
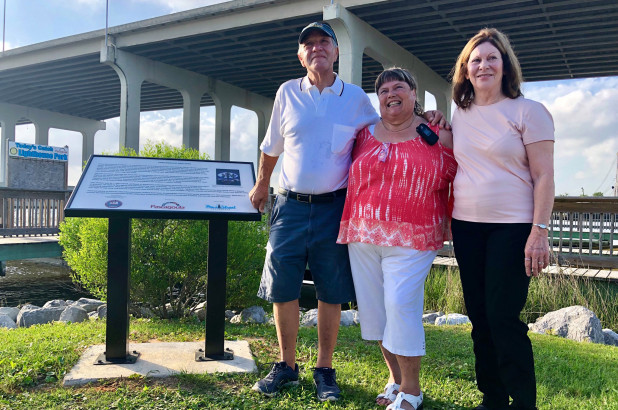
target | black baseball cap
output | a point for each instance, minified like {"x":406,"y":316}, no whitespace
{"x":317,"y":26}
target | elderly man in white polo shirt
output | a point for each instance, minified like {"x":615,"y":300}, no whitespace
{"x":314,"y":123}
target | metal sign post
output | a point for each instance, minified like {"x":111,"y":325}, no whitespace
{"x":121,"y":188}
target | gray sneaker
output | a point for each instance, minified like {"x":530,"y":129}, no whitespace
{"x":280,"y":375}
{"x":325,"y":382}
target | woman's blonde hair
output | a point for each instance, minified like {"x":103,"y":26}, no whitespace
{"x":463,"y":92}
{"x":399,"y":74}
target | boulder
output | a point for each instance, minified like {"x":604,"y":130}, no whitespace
{"x":357,"y":318}
{"x":452,"y":319}
{"x":73,"y":314}
{"x":310,"y":318}
{"x":229,"y":314}
{"x":93,"y":315}
{"x":56,"y":303}
{"x":7,"y":322}
{"x":89,"y":305}
{"x":11,"y":312}
{"x":25,"y":308}
{"x":199,"y":311}
{"x":430,"y":317}
{"x":347,"y":317}
{"x":610,"y":337}
{"x":574,"y":322}
{"x":39,"y":316}
{"x":102,"y":311}
{"x":253,"y":314}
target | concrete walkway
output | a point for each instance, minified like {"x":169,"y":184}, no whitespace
{"x":159,"y":360}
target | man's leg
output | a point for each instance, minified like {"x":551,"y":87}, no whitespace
{"x":329,"y":316}
{"x":286,"y":321}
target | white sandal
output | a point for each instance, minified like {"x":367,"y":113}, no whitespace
{"x":416,"y":401}
{"x":389,"y":392}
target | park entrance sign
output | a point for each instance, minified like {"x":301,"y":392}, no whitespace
{"x":122,"y":188}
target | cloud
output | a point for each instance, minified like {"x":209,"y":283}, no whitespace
{"x":586,"y":131}
{"x":180,"y":5}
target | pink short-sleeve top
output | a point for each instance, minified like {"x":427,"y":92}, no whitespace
{"x":493,"y":182}
{"x":397,"y":193}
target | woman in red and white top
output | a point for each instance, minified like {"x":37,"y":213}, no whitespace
{"x":394,"y":221}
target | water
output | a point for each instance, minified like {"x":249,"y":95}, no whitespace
{"x":37,"y":281}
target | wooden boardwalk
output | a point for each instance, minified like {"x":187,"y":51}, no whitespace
{"x":610,"y":275}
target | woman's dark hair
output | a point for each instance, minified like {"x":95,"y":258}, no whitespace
{"x":399,"y":74}
{"x":463,"y":92}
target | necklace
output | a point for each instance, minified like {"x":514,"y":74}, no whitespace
{"x":403,"y":129}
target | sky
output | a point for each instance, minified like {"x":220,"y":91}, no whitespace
{"x":584,"y":110}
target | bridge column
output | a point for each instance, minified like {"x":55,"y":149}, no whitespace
{"x":222,"y":128}
{"x":41,"y":135}
{"x":87,"y":144}
{"x":8,"y":134}
{"x":356,"y":37}
{"x":131,"y":80}
{"x":191,"y":118}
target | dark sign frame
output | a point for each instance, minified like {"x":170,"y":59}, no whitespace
{"x":119,"y":264}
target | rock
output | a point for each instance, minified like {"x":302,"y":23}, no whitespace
{"x":253,"y":314}
{"x":199,"y":311}
{"x":236,"y":319}
{"x":347,"y":317}
{"x":11,"y":312}
{"x":93,"y":316}
{"x":74,"y":314}
{"x":610,"y":337}
{"x":229,"y":314}
{"x":7,"y":322}
{"x":357,"y":318}
{"x":574,"y":322}
{"x":27,"y":318}
{"x":89,"y":305}
{"x":310,"y":318}
{"x":102,"y":311}
{"x":431,"y":317}
{"x":141,"y":311}
{"x":25,"y":308}
{"x":56,"y":303}
{"x":452,"y":319}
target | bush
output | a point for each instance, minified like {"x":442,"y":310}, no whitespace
{"x":168,"y":257}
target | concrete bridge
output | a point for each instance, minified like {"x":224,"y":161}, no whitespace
{"x":237,"y":53}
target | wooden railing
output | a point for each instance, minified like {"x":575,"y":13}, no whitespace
{"x":584,"y":231}
{"x":31,"y":212}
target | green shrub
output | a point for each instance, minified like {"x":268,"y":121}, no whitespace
{"x":168,"y":257}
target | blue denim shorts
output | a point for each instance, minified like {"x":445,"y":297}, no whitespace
{"x":304,"y":234}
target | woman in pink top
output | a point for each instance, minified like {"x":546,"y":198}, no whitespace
{"x":504,"y":192}
{"x":394,"y":221}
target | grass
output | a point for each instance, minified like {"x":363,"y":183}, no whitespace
{"x":34,"y":360}
{"x":547,"y":293}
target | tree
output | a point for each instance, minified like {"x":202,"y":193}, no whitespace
{"x":598,"y":194}
{"x":168,"y":257}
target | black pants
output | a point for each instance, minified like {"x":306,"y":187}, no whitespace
{"x":495,"y":286}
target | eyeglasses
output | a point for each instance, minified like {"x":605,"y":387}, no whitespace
{"x":383,"y":154}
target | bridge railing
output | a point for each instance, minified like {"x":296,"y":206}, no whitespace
{"x":584,"y":231}
{"x":31,"y":212}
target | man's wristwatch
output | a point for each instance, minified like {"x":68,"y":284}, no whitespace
{"x":542,"y":226}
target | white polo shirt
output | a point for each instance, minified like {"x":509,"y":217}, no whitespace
{"x":316,"y":133}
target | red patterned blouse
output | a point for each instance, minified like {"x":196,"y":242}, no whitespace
{"x":398,"y":193}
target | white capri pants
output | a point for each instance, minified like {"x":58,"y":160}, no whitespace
{"x":390,"y":283}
